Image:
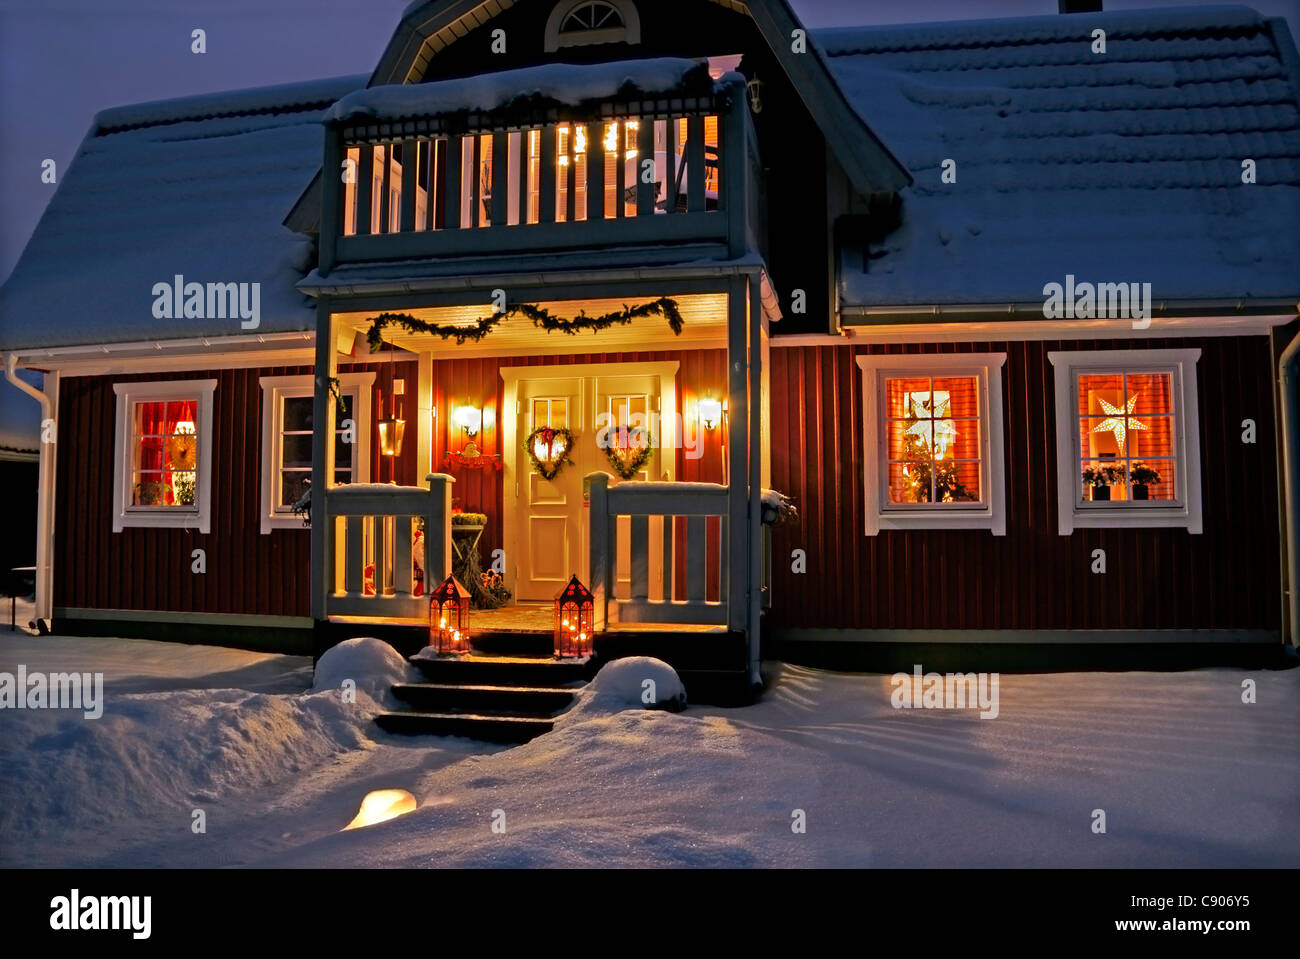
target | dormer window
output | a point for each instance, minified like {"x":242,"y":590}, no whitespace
{"x":587,"y":22}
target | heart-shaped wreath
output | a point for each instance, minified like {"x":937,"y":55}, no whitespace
{"x":628,"y":449}
{"x":548,"y":450}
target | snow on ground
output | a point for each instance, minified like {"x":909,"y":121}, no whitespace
{"x":1187,"y":774}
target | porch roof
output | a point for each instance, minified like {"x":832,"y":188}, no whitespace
{"x":1119,"y":167}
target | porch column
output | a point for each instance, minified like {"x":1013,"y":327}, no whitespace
{"x":757,"y":408}
{"x":738,"y":544}
{"x":322,"y":460}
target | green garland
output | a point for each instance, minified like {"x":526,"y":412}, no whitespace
{"x":627,"y":468}
{"x":541,"y":318}
{"x":552,"y":471}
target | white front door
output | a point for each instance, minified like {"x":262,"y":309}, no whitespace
{"x":546,"y":521}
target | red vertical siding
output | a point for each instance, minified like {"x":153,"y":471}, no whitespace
{"x":149,"y":569}
{"x":1032,"y":578}
{"x":267,"y":574}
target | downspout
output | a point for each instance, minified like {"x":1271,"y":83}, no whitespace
{"x":44,"y":612}
{"x":1288,"y":373}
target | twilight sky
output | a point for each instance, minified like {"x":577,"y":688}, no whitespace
{"x":63,"y":60}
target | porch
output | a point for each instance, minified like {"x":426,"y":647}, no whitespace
{"x":569,"y":267}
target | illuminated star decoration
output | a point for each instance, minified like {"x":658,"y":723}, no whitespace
{"x":1115,"y":422}
{"x":945,"y":433}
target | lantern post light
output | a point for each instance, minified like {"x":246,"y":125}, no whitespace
{"x":449,"y":617}
{"x":575,"y":607}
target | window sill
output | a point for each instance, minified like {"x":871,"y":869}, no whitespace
{"x":188,"y":519}
{"x":1134,"y":517}
{"x":923,"y":519}
{"x":283,"y":521}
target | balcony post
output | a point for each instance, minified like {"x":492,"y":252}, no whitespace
{"x":322,"y":454}
{"x":601,"y":553}
{"x":737,"y":427}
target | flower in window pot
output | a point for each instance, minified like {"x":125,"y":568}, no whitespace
{"x":1142,"y":478}
{"x":1101,"y":479}
{"x":148,"y":494}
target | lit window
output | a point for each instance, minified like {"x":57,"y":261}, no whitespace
{"x":1127,"y":447}
{"x":933,"y":440}
{"x":287,"y":417}
{"x":162,"y":453}
{"x":575,"y":23}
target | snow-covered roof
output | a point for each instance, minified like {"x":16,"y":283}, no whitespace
{"x":564,"y":84}
{"x":1119,"y":167}
{"x":196,"y":187}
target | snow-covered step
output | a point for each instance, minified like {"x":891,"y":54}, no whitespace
{"x":543,"y":701}
{"x":502,"y":671}
{"x":494,"y":728}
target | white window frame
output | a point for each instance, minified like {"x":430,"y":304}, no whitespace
{"x":1074,"y":514}
{"x":125,"y":515}
{"x":553,"y":39}
{"x":991,"y":514}
{"x":275,"y":389}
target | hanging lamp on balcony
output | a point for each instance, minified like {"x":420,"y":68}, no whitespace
{"x":391,"y":427}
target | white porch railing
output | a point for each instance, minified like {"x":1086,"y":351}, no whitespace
{"x":373,"y":524}
{"x":696,"y":502}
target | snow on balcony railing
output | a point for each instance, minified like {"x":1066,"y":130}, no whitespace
{"x":484,"y":168}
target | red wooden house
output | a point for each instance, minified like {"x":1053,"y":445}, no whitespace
{"x":1005,"y":316}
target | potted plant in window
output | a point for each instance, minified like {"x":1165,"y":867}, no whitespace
{"x":148,"y":494}
{"x":1101,"y":479}
{"x":1142,"y":477}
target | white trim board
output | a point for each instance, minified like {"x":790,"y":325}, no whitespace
{"x":1019,"y":331}
{"x":1007,"y":637}
{"x":168,"y":616}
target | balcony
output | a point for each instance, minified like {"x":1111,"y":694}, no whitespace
{"x":666,"y":154}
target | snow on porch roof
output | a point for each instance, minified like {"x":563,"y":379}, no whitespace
{"x":1120,"y":167}
{"x":559,"y":83}
{"x":197,"y":187}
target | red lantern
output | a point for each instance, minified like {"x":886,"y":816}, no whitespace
{"x":574,"y":613}
{"x":449,"y":617}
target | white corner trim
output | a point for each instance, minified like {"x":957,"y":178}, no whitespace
{"x":277,"y":388}
{"x":1067,"y":364}
{"x":992,"y":515}
{"x":125,"y":515}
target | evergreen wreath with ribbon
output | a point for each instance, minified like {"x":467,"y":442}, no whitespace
{"x":541,"y":318}
{"x":549,"y":467}
{"x":623,"y":454}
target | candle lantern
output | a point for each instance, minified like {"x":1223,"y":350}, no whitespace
{"x":574,"y":609}
{"x":449,"y":617}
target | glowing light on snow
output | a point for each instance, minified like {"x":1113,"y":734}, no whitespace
{"x":382,"y":805}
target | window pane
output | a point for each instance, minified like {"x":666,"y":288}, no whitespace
{"x":1125,"y":423}
{"x":164,"y":453}
{"x":342,"y":454}
{"x":297,"y":414}
{"x":343,"y":477}
{"x":292,"y":487}
{"x":909,"y":482}
{"x":907,"y":397}
{"x":297,"y":451}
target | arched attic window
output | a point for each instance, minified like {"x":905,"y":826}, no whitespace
{"x":580,"y":23}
